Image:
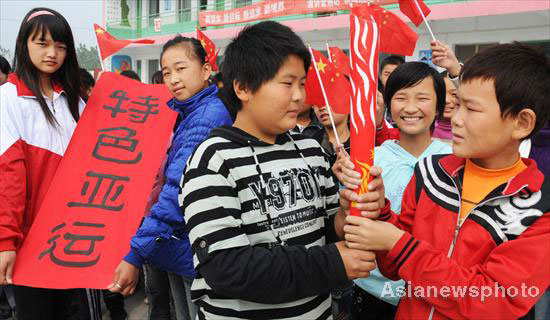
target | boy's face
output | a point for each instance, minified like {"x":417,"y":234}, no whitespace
{"x":479,"y":130}
{"x":324,"y":117}
{"x":386,"y":71}
{"x":273,"y":109}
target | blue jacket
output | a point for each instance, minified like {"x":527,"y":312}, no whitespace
{"x":162,"y":239}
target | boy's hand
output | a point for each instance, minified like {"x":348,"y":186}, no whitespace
{"x":369,"y":203}
{"x":444,"y":57}
{"x":125,"y":280}
{"x":343,"y":169}
{"x":367,"y":234}
{"x":7,"y":262}
{"x":358,"y":263}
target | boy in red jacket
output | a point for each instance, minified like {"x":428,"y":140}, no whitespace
{"x":473,"y":237}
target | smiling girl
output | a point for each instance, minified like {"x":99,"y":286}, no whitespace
{"x":162,"y":239}
{"x":415,"y":94}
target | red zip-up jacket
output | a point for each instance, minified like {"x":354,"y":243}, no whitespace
{"x":504,"y":240}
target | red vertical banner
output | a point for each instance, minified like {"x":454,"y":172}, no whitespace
{"x":96,"y":200}
{"x":364,"y":76}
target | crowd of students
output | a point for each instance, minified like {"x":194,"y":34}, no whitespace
{"x":249,"y":216}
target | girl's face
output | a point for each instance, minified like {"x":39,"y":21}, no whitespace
{"x":46,"y":54}
{"x":414,"y":108}
{"x":184,"y":76}
{"x":451,"y":99}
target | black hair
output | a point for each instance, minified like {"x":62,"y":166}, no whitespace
{"x":521,"y":76}
{"x":5,"y":67}
{"x":157,"y":77}
{"x":131,"y":74}
{"x":410,"y":74}
{"x":393,"y":59}
{"x":217,"y":78}
{"x":256,"y":55}
{"x":67,"y":75}
{"x":380,"y":86}
{"x":87,"y":81}
{"x":193,"y":46}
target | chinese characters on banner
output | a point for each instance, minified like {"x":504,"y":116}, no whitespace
{"x":97,"y":198}
{"x":273,"y":8}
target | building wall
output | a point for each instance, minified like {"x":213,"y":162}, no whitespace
{"x":529,"y":26}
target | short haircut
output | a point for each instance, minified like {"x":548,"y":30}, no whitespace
{"x":130,"y":74}
{"x":193,"y":47}
{"x":4,"y":66}
{"x":86,"y":78}
{"x":217,"y":78}
{"x":410,"y":74}
{"x":256,"y":55}
{"x":521,"y":76}
{"x":393,"y":59}
{"x":157,"y":77}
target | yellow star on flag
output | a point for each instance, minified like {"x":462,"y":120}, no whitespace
{"x":99,"y":31}
{"x":203,"y":43}
{"x":321,"y":66}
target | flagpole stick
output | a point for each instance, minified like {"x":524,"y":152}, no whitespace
{"x":99,"y":53}
{"x":425,"y":21}
{"x":328,"y":52}
{"x":324,"y":96}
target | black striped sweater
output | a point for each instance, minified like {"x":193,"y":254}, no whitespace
{"x":258,"y":217}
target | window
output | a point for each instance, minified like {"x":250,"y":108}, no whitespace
{"x":153,"y":67}
{"x":465,"y":52}
{"x":138,"y":67}
{"x":184,"y":10}
{"x":241,"y":3}
{"x":204,"y":5}
{"x":154,"y":6}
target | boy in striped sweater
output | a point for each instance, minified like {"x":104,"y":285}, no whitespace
{"x":260,"y":204}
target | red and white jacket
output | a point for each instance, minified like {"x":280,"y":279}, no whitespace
{"x":505,"y":240}
{"x":30,"y":151}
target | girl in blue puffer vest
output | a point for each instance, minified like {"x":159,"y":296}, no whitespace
{"x":162,"y":240}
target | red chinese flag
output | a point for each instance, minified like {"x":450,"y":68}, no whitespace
{"x":340,"y":60}
{"x":411,"y":8}
{"x":337,"y":87}
{"x":395,"y":35}
{"x":364,"y":75}
{"x":108,"y":44}
{"x":97,"y":197}
{"x":210,"y":48}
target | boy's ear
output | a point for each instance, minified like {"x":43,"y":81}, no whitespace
{"x":241,"y":91}
{"x":525,"y":123}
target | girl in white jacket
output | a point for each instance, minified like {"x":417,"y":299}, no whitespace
{"x":40,"y":105}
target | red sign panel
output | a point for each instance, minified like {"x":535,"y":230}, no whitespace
{"x":98,"y":195}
